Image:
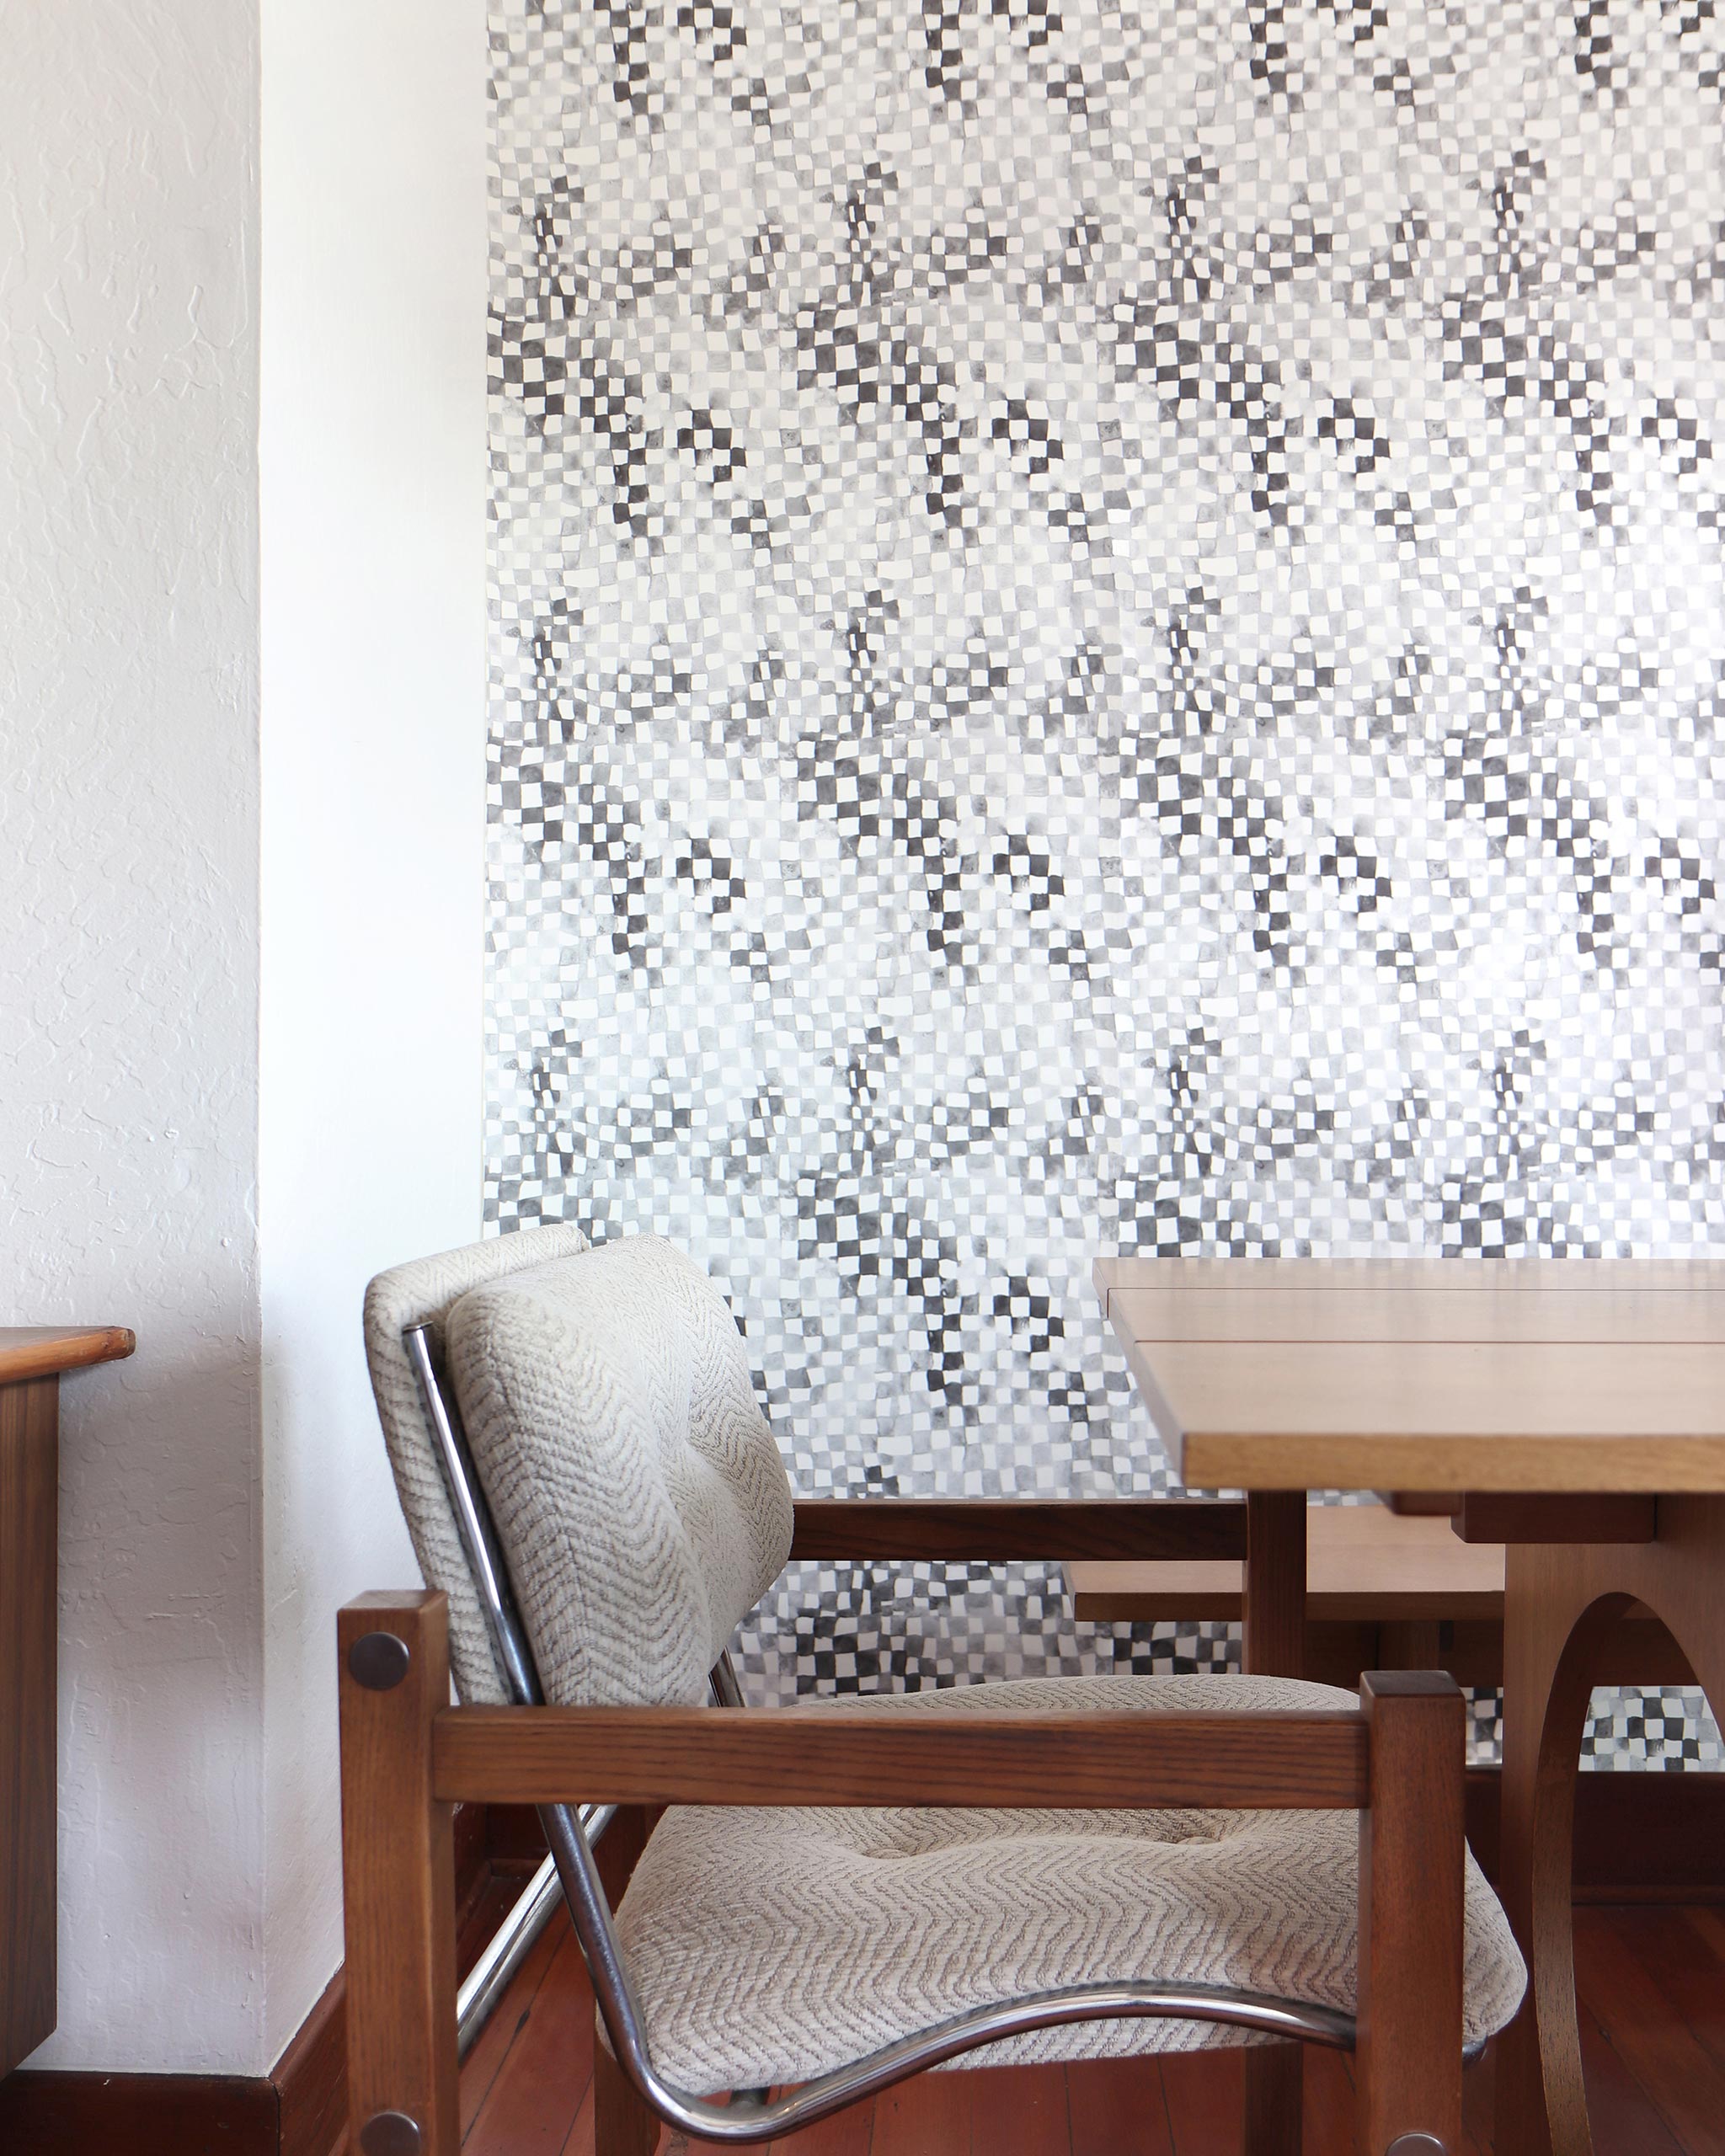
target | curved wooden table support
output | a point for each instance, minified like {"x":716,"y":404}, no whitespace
{"x":1562,"y":1603}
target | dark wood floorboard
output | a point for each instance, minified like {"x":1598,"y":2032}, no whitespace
{"x":849,"y":2134}
{"x":1617,"y":1956}
{"x":1329,"y":2101}
{"x":1624,"y":2123}
{"x":1651,"y":1985}
{"x":1116,"y":2108}
{"x":533,"y":2101}
{"x":1705,"y":1935}
{"x":1685,"y":1961}
{"x":920,"y":2117}
{"x":1205,"y":2093}
{"x":495,"y":2041}
{"x":581,"y":2134}
{"x":1022,"y":2108}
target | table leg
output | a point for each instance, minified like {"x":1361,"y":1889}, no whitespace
{"x":1561,"y":1605}
{"x":1275,"y":1628}
{"x":1273,"y":1645}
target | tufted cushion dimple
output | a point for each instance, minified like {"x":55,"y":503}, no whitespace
{"x":767,"y":1946}
{"x":637,"y":1489}
{"x":421,"y":1293}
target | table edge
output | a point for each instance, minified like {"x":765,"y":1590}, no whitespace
{"x":46,"y":1351}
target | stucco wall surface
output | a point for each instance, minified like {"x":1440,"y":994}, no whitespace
{"x":128,"y":923}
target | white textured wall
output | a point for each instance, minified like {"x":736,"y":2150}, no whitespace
{"x":128,"y":923}
{"x":373,"y":732}
{"x":202,"y":1562}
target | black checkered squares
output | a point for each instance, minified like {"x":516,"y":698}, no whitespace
{"x":1675,"y":426}
{"x":1107,"y":633}
{"x":713,"y":445}
{"x":1357,"y":436}
{"x":1027,"y":431}
{"x":717,"y":24}
{"x":1594,"y":44}
{"x":712,"y":875}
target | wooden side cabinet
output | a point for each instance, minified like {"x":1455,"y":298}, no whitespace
{"x":32,"y":1360}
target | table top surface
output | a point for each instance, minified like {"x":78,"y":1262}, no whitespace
{"x":1553,"y":1375}
{"x":43,"y":1351}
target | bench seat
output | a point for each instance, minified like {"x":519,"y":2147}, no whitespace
{"x":1385,"y":1589}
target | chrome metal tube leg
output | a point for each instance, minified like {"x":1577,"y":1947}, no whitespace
{"x":492,"y":1974}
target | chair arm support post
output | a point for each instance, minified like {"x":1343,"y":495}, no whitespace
{"x":1412,"y":1845}
{"x":397,"y":1878}
{"x":786,"y":1756}
{"x":1006,"y":1530}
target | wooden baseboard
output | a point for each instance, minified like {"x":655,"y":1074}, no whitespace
{"x":311,"y":2078}
{"x":1639,"y":1838}
{"x":299,"y":2108}
{"x":140,"y":2115}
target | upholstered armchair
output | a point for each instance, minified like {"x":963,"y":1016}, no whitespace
{"x":844,"y":1892}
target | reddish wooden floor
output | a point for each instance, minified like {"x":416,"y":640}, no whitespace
{"x":1653,"y":1990}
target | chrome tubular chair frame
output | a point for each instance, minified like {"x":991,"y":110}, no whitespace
{"x":570,"y":1833}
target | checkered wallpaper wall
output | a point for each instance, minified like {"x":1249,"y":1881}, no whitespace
{"x":1108,"y":633}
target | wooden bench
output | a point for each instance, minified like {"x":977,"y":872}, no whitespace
{"x":1385,"y":1590}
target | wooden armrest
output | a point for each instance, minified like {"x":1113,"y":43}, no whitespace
{"x":786,"y":1756}
{"x":406,"y":1758}
{"x":995,"y":1530}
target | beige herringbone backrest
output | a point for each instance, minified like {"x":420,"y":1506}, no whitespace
{"x":422,"y":1293}
{"x":636,"y":1491}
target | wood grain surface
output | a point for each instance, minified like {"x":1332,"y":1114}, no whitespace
{"x":1692,"y":1275}
{"x":705,"y":1755}
{"x":1364,"y":1315}
{"x":1365,"y":1564}
{"x":28,"y":1601}
{"x":1563,"y":1601}
{"x":999,"y":1530}
{"x":42,"y":1351}
{"x":1412,"y":1847}
{"x":397,"y":1866}
{"x":1460,"y":1415}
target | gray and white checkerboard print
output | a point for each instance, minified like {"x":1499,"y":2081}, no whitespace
{"x":1108,"y":632}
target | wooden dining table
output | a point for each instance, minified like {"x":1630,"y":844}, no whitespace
{"x":1573,"y":1409}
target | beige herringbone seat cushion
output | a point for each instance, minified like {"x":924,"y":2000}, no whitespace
{"x":644,"y":1507}
{"x":769,"y":1946}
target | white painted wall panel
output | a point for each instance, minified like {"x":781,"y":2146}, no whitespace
{"x":373,"y":465}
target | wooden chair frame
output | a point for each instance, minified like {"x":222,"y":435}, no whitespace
{"x":407,"y":1758}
